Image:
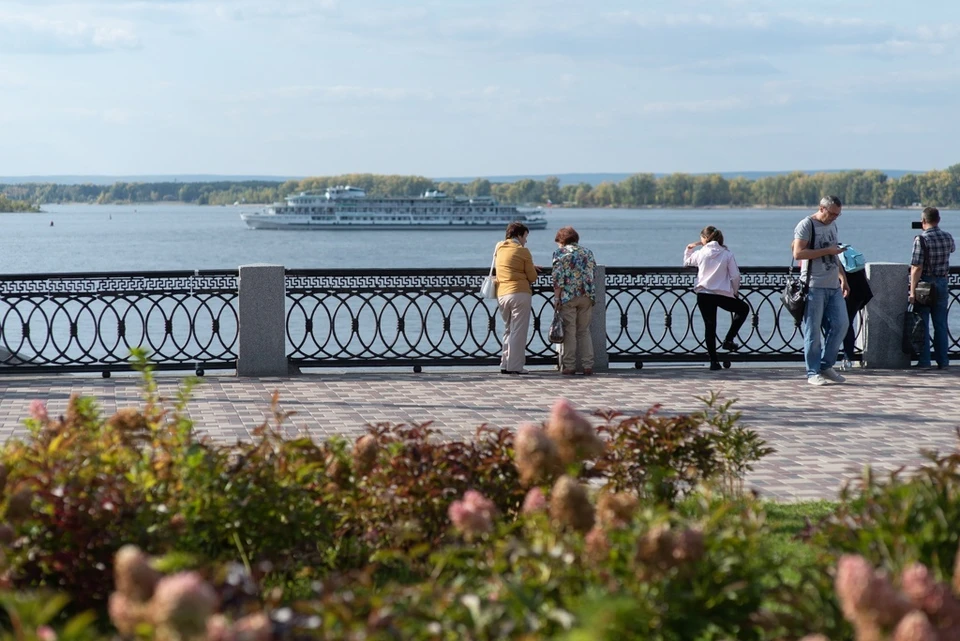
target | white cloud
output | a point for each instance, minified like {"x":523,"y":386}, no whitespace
{"x":37,"y":33}
{"x":389,"y":94}
{"x":345,"y":93}
{"x":766,"y":100}
{"x":11,"y":80}
{"x":245,"y":10}
{"x":695,"y":106}
{"x":110,"y":115}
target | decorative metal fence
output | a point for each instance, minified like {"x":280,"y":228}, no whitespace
{"x":651,"y":316}
{"x":346,"y":318}
{"x":435,"y":317}
{"x":90,"y":322}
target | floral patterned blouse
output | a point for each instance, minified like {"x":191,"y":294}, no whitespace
{"x":573,"y":268}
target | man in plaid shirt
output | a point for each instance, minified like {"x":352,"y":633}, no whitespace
{"x":931,"y":263}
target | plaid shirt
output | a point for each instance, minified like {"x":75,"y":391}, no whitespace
{"x":936,"y":264}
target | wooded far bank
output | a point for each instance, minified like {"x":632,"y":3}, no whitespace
{"x":871,"y":188}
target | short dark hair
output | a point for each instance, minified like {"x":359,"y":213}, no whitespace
{"x":516,"y":230}
{"x":931,"y":215}
{"x":567,"y":235}
{"x":827,"y":201}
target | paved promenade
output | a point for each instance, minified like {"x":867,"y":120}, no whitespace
{"x":822,"y":435}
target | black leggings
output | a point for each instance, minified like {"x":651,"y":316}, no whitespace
{"x":708,"y":304}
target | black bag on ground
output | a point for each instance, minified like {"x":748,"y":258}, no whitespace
{"x":912,"y":339}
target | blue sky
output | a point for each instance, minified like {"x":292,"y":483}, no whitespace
{"x":485,"y":87}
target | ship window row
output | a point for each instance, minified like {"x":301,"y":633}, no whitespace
{"x":412,"y":210}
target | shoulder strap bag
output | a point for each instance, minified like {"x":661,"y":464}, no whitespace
{"x":489,"y":287}
{"x":795,"y":291}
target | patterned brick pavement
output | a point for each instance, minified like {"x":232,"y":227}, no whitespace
{"x":822,"y":435}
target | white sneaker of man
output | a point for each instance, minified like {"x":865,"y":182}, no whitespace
{"x":833,"y":375}
{"x":818,"y":380}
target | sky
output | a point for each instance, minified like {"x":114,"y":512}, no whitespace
{"x":476,"y":88}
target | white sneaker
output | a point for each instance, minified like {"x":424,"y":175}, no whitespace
{"x":846,"y":365}
{"x":833,"y":375}
{"x":816,"y":379}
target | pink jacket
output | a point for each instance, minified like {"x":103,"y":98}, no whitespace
{"x":717,"y":271}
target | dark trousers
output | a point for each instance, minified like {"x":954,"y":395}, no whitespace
{"x":850,"y":340}
{"x":708,"y":304}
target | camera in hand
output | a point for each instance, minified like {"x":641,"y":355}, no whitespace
{"x":916,"y":225}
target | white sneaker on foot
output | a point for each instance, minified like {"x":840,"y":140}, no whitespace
{"x":816,"y":379}
{"x":833,"y":375}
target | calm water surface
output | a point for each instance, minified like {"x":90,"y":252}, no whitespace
{"x":124,"y":238}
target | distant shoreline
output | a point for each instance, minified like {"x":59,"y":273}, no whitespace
{"x":544,"y":207}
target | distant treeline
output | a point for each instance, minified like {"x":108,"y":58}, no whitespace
{"x":872,"y":188}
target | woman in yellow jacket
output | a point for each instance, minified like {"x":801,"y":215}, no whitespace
{"x":515,"y":273}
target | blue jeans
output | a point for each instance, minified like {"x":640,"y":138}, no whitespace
{"x":940,"y":333}
{"x":826,"y":314}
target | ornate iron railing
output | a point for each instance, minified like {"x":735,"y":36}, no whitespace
{"x":652,"y":316}
{"x":344,"y":318}
{"x":431,"y":317}
{"x":90,"y":322}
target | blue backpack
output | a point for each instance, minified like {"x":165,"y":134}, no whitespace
{"x":852,"y":260}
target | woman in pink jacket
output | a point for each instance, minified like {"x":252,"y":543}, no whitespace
{"x":718,"y":279}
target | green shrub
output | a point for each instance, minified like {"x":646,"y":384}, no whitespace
{"x":378,"y":510}
{"x":910,"y":516}
{"x":667,"y":457}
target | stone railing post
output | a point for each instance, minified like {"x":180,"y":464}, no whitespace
{"x":883,"y":320}
{"x":261,"y":342}
{"x":598,"y":322}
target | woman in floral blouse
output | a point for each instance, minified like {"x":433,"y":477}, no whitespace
{"x":575,"y":294}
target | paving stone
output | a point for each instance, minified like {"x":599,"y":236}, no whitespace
{"x":822,"y":436}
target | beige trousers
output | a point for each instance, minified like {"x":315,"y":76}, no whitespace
{"x":515,"y":312}
{"x":576,"y":315}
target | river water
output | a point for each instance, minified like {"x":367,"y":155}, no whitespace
{"x":124,"y":238}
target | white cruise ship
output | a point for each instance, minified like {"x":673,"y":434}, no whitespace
{"x":349,"y":208}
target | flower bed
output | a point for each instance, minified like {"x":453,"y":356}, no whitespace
{"x":636,"y":529}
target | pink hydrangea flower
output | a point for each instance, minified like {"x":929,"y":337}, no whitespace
{"x":575,"y":438}
{"x":38,"y":411}
{"x":474,"y":514}
{"x":46,"y":633}
{"x":183,"y":601}
{"x":915,"y":626}
{"x":219,"y":629}
{"x":596,"y":544}
{"x":535,"y":501}
{"x":535,"y":455}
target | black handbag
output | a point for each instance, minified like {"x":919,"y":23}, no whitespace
{"x":555,"y":335}
{"x":794,"y":296}
{"x":913,"y":330}
{"x":925,"y":294}
{"x":796,"y":290}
